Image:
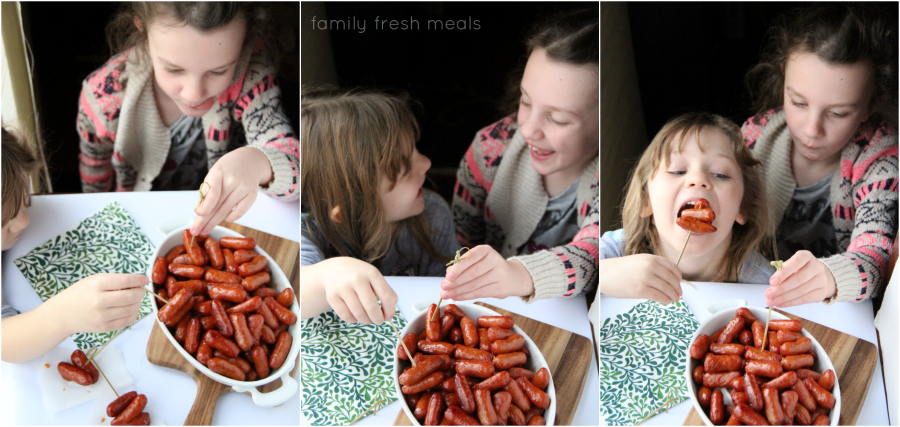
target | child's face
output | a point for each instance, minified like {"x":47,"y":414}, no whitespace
{"x":13,"y":229}
{"x":407,"y":198}
{"x":191,"y":67}
{"x":824,"y":104}
{"x":558,"y":114}
{"x":692,"y":174}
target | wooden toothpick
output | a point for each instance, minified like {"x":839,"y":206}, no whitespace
{"x":452,"y":262}
{"x":777,"y":265}
{"x":157,"y":295}
{"x":684,"y":247}
{"x":199,"y":202}
{"x":669,"y":400}
{"x":371,"y":408}
{"x":400,"y":338}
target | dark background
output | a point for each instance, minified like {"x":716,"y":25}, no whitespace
{"x":693,"y":56}
{"x":458,"y":76}
{"x":68,"y":42}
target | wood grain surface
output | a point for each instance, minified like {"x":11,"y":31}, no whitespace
{"x":854,"y":363}
{"x":568,"y":357}
{"x":161,"y":351}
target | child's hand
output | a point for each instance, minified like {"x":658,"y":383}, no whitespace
{"x":353,"y":289}
{"x":233,"y":184}
{"x":641,"y":276}
{"x":484,"y":273}
{"x":803,"y":279}
{"x":99,"y":303}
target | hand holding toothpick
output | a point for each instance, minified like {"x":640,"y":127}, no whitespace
{"x":453,"y":261}
{"x":777,"y":265}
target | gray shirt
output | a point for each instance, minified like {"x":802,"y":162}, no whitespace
{"x":756,"y":268}
{"x":807,"y":223}
{"x":186,"y":165}
{"x":8,"y":310}
{"x":558,"y":225}
{"x":405,"y":257}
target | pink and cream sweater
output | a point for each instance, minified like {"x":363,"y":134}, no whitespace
{"x":124,"y":143}
{"x":499,"y":200}
{"x":863,"y":198}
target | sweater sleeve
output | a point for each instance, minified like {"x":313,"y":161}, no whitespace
{"x":469,"y":194}
{"x":860,"y":272}
{"x":95,"y":145}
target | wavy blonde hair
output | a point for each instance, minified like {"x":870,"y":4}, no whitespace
{"x":640,"y":234}
{"x":350,"y":141}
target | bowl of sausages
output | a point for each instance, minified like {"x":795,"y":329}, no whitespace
{"x":473,"y":367}
{"x":732,"y":379}
{"x":236,"y":322}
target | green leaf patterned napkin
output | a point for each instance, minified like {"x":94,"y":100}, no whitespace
{"x":642,"y":359}
{"x":345,"y":367}
{"x":108,"y":241}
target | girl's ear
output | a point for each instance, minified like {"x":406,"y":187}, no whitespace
{"x":647,"y":212}
{"x":740,"y":219}
{"x":336,"y":214}
{"x":137,"y":23}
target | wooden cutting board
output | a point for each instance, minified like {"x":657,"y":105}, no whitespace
{"x":854,"y":363}
{"x":567,"y":354}
{"x":161,"y":351}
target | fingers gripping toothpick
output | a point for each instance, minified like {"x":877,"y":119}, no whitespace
{"x":200,"y":201}
{"x":777,"y":265}
{"x":452,"y":262}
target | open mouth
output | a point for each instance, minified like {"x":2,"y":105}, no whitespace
{"x":692,"y":204}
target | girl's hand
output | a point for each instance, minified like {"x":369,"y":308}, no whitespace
{"x":233,"y":184}
{"x":353,"y":289}
{"x":641,"y":276}
{"x":484,"y":273}
{"x":802,"y":280}
{"x":99,"y":303}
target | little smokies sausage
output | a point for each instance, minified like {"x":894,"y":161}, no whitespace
{"x":803,"y":395}
{"x":703,"y":396}
{"x":215,"y":340}
{"x":410,"y":341}
{"x":160,"y":267}
{"x":746,"y":338}
{"x":748,"y":416}
{"x":717,"y":407}
{"x":518,"y":396}
{"x":70,"y":372}
{"x":748,"y":316}
{"x":819,"y":411}
{"x":286,"y":298}
{"x":216,"y":258}
{"x":738,"y":397}
{"x":516,"y":416}
{"x":423,"y":368}
{"x":715,"y":336}
{"x":242,"y":255}
{"x":764,"y":368}
{"x":268,"y":315}
{"x":222,"y":320}
{"x":475,"y":368}
{"x":484,"y":342}
{"x":226,"y":368}
{"x":197,"y":255}
{"x":282,"y":347}
{"x":732,"y":419}
{"x":823,"y":397}
{"x":468,"y":353}
{"x":80,"y":360}
{"x":801,"y":345}
{"x":132,"y":411}
{"x":192,"y":337}
{"x":702,"y":215}
{"x":789,"y":405}
{"x":457,"y":417}
{"x":714,"y":364}
{"x":249,"y":306}
{"x":697,"y":227}
{"x":754,"y":394}
{"x":509,"y":345}
{"x":454,"y":310}
{"x":732,"y":329}
{"x":801,"y":415}
{"x":508,"y":360}
{"x":700,"y":346}
{"x":726,"y":349}
{"x":204,"y":352}
{"x":435,"y":410}
{"x":175,"y":253}
{"x":117,"y":406}
{"x":804,"y":373}
{"x":464,"y":391}
{"x":456,"y":336}
{"x":284,"y":315}
{"x":827,"y":380}
{"x":495,"y":334}
{"x":450,"y":397}
{"x":142,"y":420}
{"x":498,"y":380}
{"x":237,"y":361}
{"x":502,"y":402}
{"x":241,"y":331}
{"x":182,"y":259}
{"x":516,"y":372}
{"x":537,"y":420}
{"x":198,"y":287}
{"x":784,"y":381}
{"x":447,"y":322}
{"x":738,"y":384}
{"x":223,"y":292}
{"x":237,"y":242}
{"x":787,"y":336}
{"x":175,"y":305}
{"x":422,"y":406}
{"x":184,"y":270}
{"x":535,"y":395}
{"x":797,"y":361}
{"x":753,"y":353}
{"x":504,"y":322}
{"x":435,"y":347}
{"x":541,"y":378}
{"x":785,"y":325}
{"x":758,"y":330}
{"x":230,"y":264}
{"x":774,"y":411}
{"x":213,"y":275}
{"x":268,"y":336}
{"x":486,"y":412}
{"x":430,"y":381}
{"x":257,"y":264}
{"x":469,"y":331}
{"x":719,"y":379}
{"x":822,"y":420}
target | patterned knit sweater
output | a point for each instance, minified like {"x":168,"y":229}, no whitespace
{"x":863,"y":198}
{"x":499,"y":200}
{"x":124,"y":141}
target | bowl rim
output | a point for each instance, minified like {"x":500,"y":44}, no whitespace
{"x":542,"y":362}
{"x":756,"y":310}
{"x":294,"y":329}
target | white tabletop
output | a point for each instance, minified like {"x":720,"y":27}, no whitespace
{"x":170,"y":393}
{"x":856,"y":319}
{"x":564,"y":313}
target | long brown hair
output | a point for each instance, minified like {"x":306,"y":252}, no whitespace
{"x":350,"y":141}
{"x":640,"y":234}
{"x":18,"y":164}
{"x":839,"y":34}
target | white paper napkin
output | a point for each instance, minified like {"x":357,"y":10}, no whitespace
{"x":60,"y":394}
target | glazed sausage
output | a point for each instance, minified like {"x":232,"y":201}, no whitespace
{"x":827,"y":380}
{"x":214,"y":251}
{"x":435,"y":347}
{"x":738,"y":384}
{"x":537,"y":420}
{"x":280,"y":352}
{"x":502,"y":402}
{"x":176,"y":304}
{"x":198,"y":287}
{"x":535,"y":395}
{"x":70,"y":372}
{"x":518,"y":396}
{"x":80,"y":360}
{"x":457,"y":417}
{"x":464,"y":391}
{"x":801,"y":414}
{"x":801,"y":345}
{"x":184,"y":270}
{"x":784,"y":381}
{"x":286,"y":298}
{"x":504,"y":322}
{"x":748,"y":416}
{"x":758,"y":330}
{"x":509,"y":345}
{"x":717,"y":380}
{"x":516,"y":372}
{"x":175,"y":253}
{"x":698,"y":374}
{"x":774,"y":344}
{"x":423,"y":368}
{"x":486,"y":413}
{"x":268,"y":316}
{"x":454,"y":310}
{"x":160,"y":267}
{"x":226,"y":368}
{"x":258,"y":356}
{"x":428,"y":382}
{"x":753,"y":353}
{"x":746,"y":337}
{"x":717,"y":407}
{"x":484,"y":342}
{"x":253,"y":266}
{"x":498,"y":380}
{"x":541,"y":378}
{"x":238,"y":242}
{"x":516,"y":416}
{"x":204,"y":352}
{"x":267,"y":335}
{"x":822,"y":420}
{"x":803,"y":395}
{"x":249,"y":306}
{"x":450,"y":397}
{"x":738,"y":397}
{"x":475,"y":368}
{"x":192,"y":337}
{"x":787,"y":336}
{"x":284,"y":315}
{"x":469,"y":331}
{"x":435,"y":410}
{"x":797,"y":361}
{"x":700,"y":346}
{"x":774,"y":411}
{"x":748,"y":316}
{"x":823,"y":397}
{"x":468,"y":353}
{"x":704,"y":396}
{"x":217,"y":341}
{"x":764,"y":368}
{"x":117,"y":406}
{"x":422,"y":406}
{"x":142,"y":420}
{"x":715,"y":336}
{"x":410,"y":341}
{"x":242,"y":335}
{"x":789,"y":405}
{"x":213,"y":275}
{"x":804,"y":373}
{"x":508,"y":360}
{"x":697,"y":227}
{"x":182,"y":259}
{"x":221,"y":291}
{"x":222,"y":320}
{"x":132,"y":411}
{"x":754,"y":395}
{"x":702,"y":215}
{"x":715,"y":364}
{"x":243,"y":255}
{"x":785,"y":325}
{"x":198,"y":255}
{"x":230,"y":264}
{"x":237,"y":361}
{"x":732,"y":330}
{"x":495,"y":334}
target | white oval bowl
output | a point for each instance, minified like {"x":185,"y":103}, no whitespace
{"x":289,"y":386}
{"x":535,"y":358}
{"x":720,"y":319}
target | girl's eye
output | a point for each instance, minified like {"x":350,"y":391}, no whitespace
{"x":720,"y":176}
{"x":798,"y":104}
{"x":218,"y":73}
{"x":675,"y":172}
{"x":525,"y":103}
{"x":840,"y":115}
{"x":173,"y":71}
{"x":550,"y":118}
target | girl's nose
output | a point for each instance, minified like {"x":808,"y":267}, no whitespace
{"x":424,"y":163}
{"x":193,"y":92}
{"x":813,"y":126}
{"x":529,"y":127}
{"x":697,"y":179}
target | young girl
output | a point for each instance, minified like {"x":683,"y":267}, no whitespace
{"x":99,"y":303}
{"x":365,"y":212}
{"x":189,"y":97}
{"x":694,"y":156}
{"x":527,"y":190}
{"x":826,"y":95}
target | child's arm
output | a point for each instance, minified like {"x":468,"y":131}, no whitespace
{"x":349,"y":286}
{"x":469,"y":195}
{"x":95,"y":144}
{"x":100,"y":303}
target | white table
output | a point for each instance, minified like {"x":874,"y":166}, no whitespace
{"x":564,"y":313}
{"x":850,"y":318}
{"x":170,"y":393}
